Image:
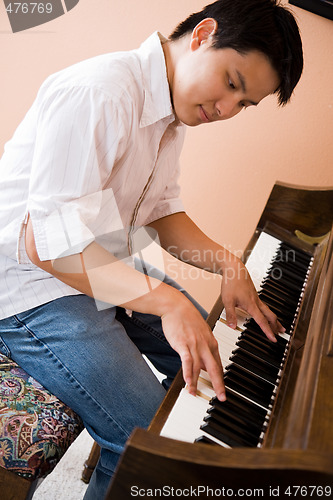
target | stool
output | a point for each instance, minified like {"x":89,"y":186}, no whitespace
{"x":36,"y":429}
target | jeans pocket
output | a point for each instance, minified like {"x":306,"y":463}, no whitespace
{"x":4,"y":349}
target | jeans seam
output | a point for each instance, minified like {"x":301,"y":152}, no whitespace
{"x":71,"y":375}
{"x":149,"y":329}
{"x":5,"y":348}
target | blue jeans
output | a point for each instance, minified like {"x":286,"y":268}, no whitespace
{"x":92,"y":361}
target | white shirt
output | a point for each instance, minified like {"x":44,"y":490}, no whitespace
{"x":95,"y":157}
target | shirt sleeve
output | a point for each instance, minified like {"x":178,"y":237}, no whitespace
{"x":67,"y":205}
{"x":170,"y":202}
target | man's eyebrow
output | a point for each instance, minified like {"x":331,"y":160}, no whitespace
{"x":243,"y":85}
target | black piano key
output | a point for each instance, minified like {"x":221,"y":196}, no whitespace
{"x":281,"y":342}
{"x":283,"y":316}
{"x":242,"y":404}
{"x":287,"y":295}
{"x":300,"y":253}
{"x":230,"y":413}
{"x":205,"y":440}
{"x":254,"y":418}
{"x":257,"y":390}
{"x":260,"y":353}
{"x":286,"y":280}
{"x":266,"y":295}
{"x":224,"y":422}
{"x":245,"y":390}
{"x":281,"y":289}
{"x":293,"y":259}
{"x":283,"y":281}
{"x":298,"y":265}
{"x":287,"y":271}
{"x":264,"y":385}
{"x":255,"y":359}
{"x":271,"y":347}
{"x":252,"y":365}
{"x":254,"y":430}
{"x":225,"y":435}
{"x":253,"y":328}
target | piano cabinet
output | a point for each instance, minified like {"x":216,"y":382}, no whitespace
{"x":153,"y":462}
{"x":297,"y":449}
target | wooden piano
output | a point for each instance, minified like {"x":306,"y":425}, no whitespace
{"x":292,"y":453}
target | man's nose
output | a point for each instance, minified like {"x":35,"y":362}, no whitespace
{"x":227,"y":108}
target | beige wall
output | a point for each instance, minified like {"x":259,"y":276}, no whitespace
{"x":228,"y":168}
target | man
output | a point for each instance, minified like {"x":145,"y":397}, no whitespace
{"x":95,"y":159}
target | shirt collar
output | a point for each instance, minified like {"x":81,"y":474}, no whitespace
{"x":157,"y":101}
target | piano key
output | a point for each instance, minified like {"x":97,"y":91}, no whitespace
{"x":280,"y":280}
{"x":302,"y":254}
{"x":205,"y":440}
{"x":281,"y":268}
{"x":268,"y":295}
{"x":252,"y":363}
{"x":260,"y":353}
{"x":268,"y":345}
{"x":252,"y":327}
{"x":243,"y":405}
{"x":252,"y":416}
{"x":258,"y":393}
{"x":253,"y":429}
{"x":186,"y":417}
{"x":263,"y":385}
{"x":232,"y":426}
{"x":224,"y":435}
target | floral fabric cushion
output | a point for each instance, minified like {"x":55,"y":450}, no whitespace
{"x":36,"y":428}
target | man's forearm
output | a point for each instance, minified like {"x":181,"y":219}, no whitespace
{"x":182,"y":238}
{"x":99,"y":274}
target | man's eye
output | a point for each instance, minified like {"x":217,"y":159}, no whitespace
{"x":231,"y":84}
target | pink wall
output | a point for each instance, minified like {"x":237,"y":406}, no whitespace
{"x":228,"y":168}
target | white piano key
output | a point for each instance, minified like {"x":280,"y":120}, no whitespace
{"x":241,"y":318}
{"x":187,"y":415}
{"x":261,"y":257}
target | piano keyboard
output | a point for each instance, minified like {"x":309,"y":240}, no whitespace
{"x":252,"y":364}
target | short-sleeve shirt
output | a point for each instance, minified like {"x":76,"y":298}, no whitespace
{"x":96,"y":157}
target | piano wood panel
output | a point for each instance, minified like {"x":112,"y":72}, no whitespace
{"x":150,"y":462}
{"x":298,"y":447}
{"x":292,"y":207}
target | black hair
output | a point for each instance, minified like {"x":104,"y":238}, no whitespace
{"x":261,"y":25}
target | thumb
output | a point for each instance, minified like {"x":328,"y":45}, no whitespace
{"x":231,"y":316}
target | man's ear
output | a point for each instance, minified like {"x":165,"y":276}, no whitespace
{"x":202,"y":32}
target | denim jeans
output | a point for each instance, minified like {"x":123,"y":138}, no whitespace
{"x":92,"y":360}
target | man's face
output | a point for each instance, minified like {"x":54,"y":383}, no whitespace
{"x":215,"y":84}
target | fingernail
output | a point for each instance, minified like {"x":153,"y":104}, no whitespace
{"x":232,"y":325}
{"x":222,"y":397}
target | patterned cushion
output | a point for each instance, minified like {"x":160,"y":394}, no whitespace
{"x":36,"y":428}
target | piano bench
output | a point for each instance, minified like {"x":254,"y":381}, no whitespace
{"x":36,"y":429}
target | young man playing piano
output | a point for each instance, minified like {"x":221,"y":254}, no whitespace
{"x":95,"y":158}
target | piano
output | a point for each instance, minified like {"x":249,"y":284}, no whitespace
{"x":274,"y":434}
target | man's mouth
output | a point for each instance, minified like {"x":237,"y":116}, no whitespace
{"x":204,"y":116}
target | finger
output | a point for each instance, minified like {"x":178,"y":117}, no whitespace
{"x":215,"y":372}
{"x":262,"y":321}
{"x":187,"y":369}
{"x":272,"y":318}
{"x":231,"y":317}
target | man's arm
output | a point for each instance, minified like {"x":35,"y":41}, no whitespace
{"x":180,"y":236}
{"x":97,"y":273}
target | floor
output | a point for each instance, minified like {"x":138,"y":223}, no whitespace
{"x":64,"y":483}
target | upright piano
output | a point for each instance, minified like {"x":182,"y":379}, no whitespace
{"x":274,"y":434}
